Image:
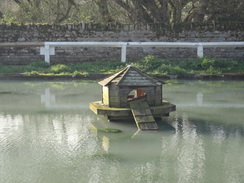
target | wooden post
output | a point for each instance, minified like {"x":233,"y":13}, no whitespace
{"x":47,"y":54}
{"x":47,"y":51}
{"x":200,"y":50}
{"x":123,"y":53}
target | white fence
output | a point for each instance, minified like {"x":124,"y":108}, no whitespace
{"x":48,"y":48}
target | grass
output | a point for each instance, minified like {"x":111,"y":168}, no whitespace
{"x":153,"y":65}
{"x":170,"y":82}
{"x":149,"y":64}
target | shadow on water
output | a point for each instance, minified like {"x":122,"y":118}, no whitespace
{"x":204,"y":126}
{"x":164,"y":126}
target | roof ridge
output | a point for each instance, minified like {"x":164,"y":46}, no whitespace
{"x":108,"y":79}
{"x":122,"y":74}
{"x":127,"y":69}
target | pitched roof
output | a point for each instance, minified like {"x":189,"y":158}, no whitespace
{"x":131,"y":76}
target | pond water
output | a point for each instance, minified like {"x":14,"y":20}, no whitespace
{"x":48,"y":135}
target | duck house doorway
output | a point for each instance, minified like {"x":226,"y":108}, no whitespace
{"x":136,"y":94}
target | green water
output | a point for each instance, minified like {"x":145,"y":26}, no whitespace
{"x":47,"y":135}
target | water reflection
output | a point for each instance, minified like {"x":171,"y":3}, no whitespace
{"x":200,"y":103}
{"x":46,"y":136}
{"x":49,"y":100}
{"x":183,"y":153}
{"x":227,"y":154}
{"x":48,"y":146}
{"x":187,"y":156}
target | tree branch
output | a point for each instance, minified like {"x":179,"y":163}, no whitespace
{"x":18,"y":2}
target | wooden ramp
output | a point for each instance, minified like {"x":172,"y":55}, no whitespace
{"x":143,"y":115}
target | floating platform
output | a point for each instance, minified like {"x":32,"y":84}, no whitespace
{"x":133,"y":94}
{"x":143,"y":114}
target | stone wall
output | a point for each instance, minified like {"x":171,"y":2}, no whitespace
{"x":127,"y":33}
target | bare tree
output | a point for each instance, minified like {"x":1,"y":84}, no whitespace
{"x":40,"y":11}
{"x":104,"y":11}
{"x":124,"y":11}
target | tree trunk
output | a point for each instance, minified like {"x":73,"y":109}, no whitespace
{"x":103,"y":9}
{"x":164,"y":9}
{"x":201,"y":11}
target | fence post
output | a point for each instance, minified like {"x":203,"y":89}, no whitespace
{"x":47,"y":53}
{"x":200,"y":50}
{"x":123,"y":52}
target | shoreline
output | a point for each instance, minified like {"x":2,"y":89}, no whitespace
{"x":227,"y":76}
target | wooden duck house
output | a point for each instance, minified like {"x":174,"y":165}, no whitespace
{"x":132,"y":94}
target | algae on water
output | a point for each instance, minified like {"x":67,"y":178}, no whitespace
{"x":109,"y":130}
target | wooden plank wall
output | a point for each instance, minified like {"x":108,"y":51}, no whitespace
{"x":105,"y":95}
{"x":117,"y":97}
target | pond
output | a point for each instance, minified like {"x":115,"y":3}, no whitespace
{"x":48,"y":134}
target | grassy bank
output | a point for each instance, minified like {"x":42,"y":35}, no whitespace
{"x":149,"y":64}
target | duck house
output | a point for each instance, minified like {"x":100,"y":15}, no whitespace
{"x":133,"y":94}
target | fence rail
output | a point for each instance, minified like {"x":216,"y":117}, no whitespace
{"x":22,"y":44}
{"x":48,"y":48}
